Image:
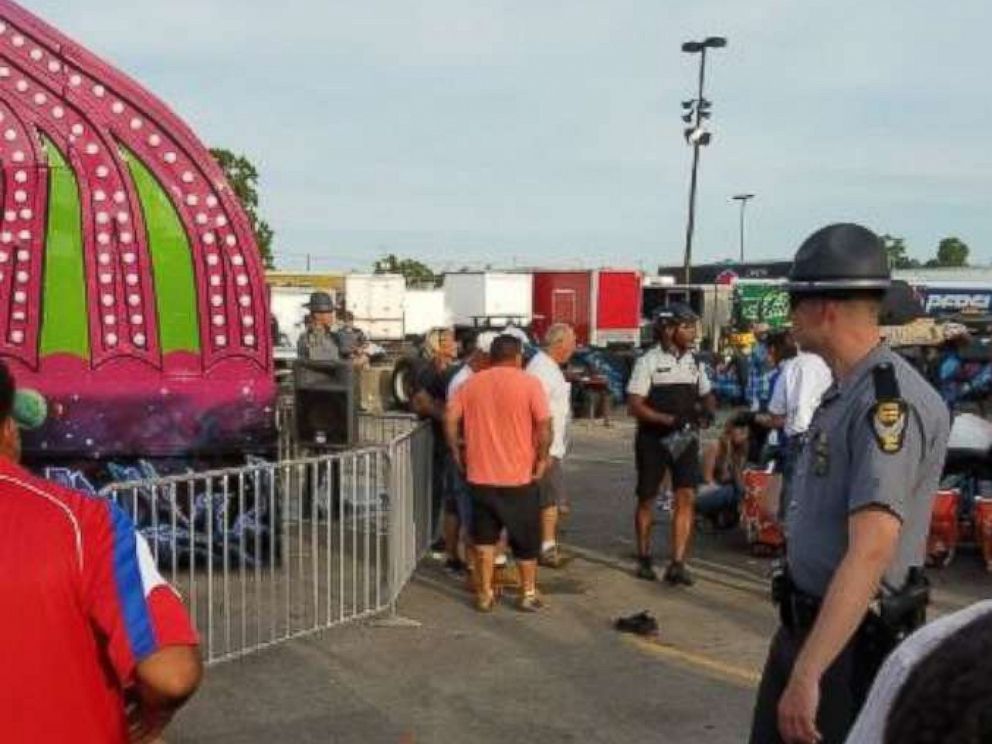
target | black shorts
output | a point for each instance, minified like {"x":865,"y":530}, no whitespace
{"x":654,"y":460}
{"x":517,"y":508}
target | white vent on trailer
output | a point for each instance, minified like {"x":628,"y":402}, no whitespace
{"x":424,"y":309}
{"x":489,"y":298}
{"x":376,"y":300}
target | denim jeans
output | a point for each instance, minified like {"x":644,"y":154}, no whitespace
{"x":714,"y":499}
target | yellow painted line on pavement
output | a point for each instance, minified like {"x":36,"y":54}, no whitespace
{"x":728,"y":672}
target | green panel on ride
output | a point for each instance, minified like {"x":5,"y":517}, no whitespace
{"x":172,"y":263}
{"x":64,"y":324}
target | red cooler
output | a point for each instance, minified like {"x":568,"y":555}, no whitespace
{"x":983,"y":529}
{"x":759,"y":509}
{"x":944,"y":529}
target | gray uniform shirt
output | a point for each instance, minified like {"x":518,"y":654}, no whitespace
{"x":318,"y":345}
{"x":846,"y":464}
{"x":351,"y":340}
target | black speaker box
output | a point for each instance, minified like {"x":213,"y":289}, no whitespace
{"x":326,"y":397}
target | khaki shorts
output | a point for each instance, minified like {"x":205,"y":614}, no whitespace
{"x":552,"y":486}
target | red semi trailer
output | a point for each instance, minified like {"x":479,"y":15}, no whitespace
{"x":604,"y":306}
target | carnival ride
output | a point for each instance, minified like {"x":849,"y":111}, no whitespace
{"x":132,"y":294}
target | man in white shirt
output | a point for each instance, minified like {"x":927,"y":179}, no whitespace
{"x":559,"y":345}
{"x":798,"y":391}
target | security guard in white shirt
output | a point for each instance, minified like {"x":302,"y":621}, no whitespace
{"x":669,"y":395}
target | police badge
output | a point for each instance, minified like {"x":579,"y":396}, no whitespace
{"x":888,"y":421}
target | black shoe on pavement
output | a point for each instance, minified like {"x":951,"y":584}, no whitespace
{"x":645,"y":570}
{"x":640,"y":624}
{"x":678,"y":575}
{"x":455,"y":566}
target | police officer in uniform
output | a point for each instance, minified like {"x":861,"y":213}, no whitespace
{"x":669,"y":395}
{"x":319,"y":342}
{"x":863,"y":489}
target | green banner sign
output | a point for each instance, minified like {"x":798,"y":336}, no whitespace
{"x":761,"y":303}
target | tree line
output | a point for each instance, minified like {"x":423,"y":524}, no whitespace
{"x":950,"y":252}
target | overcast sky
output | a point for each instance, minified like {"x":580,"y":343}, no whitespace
{"x":548,"y":132}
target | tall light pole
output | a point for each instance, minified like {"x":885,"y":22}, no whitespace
{"x":743,"y":199}
{"x":694,"y":112}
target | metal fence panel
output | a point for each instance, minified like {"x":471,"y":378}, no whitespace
{"x":271,"y":551}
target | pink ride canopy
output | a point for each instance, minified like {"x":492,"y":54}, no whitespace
{"x":211,"y":388}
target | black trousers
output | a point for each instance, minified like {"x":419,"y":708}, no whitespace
{"x":843,"y":689}
{"x":439,"y":467}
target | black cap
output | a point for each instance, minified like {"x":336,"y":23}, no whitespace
{"x":320,"y":302}
{"x":677,"y":312}
{"x":840,"y":257}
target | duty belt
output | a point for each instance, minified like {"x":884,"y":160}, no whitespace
{"x":897,"y":614}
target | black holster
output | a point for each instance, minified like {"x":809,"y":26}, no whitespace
{"x":902,"y":612}
{"x":797,"y":610}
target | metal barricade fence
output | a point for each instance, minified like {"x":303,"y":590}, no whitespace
{"x":272,"y":551}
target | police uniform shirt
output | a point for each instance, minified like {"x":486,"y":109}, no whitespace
{"x":350,"y":340}
{"x":860,"y":452}
{"x":318,"y":345}
{"x":670,"y":384}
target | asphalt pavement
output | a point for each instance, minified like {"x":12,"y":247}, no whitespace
{"x":443,"y":673}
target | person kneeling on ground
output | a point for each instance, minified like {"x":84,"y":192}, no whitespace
{"x":723,"y":473}
{"x":507,"y":431}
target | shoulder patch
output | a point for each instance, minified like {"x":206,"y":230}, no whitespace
{"x":888,"y":422}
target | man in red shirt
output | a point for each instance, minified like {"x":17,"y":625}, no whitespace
{"x":507,"y":431}
{"x":86,"y":621}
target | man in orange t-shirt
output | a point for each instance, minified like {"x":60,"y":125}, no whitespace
{"x":504,"y":414}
